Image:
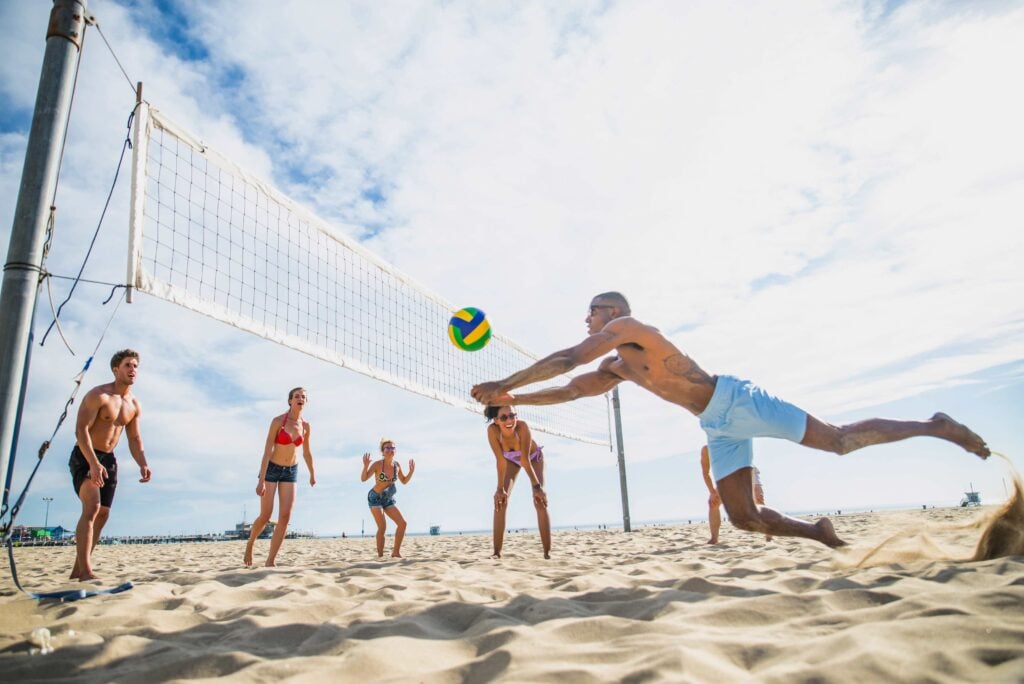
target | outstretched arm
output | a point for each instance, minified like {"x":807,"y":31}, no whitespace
{"x":595,"y":346}
{"x":586,"y":385}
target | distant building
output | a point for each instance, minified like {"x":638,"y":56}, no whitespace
{"x":243,"y":530}
{"x":26,"y":533}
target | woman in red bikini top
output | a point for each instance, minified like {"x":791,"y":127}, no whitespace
{"x":510,"y":439}
{"x":279,"y":472}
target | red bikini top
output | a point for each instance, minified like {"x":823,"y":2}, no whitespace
{"x":283,"y":436}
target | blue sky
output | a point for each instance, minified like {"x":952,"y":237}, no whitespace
{"x":823,"y":197}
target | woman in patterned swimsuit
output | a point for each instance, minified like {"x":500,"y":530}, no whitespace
{"x":509,"y":438}
{"x":381,"y":497}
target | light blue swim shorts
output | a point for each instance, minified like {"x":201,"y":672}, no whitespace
{"x":739,"y":411}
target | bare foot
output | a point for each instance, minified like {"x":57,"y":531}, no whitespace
{"x":496,"y":555}
{"x":713,"y":540}
{"x":270,"y":564}
{"x":86,"y":576}
{"x":247,"y":559}
{"x":547,"y":556}
{"x":958,"y":433}
{"x":395,"y":554}
{"x":828,"y":534}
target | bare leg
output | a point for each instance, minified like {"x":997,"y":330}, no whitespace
{"x":847,"y":438}
{"x":714,"y":522}
{"x":378,"y":517}
{"x":266,"y":510}
{"x":85,"y":539}
{"x":737,"y":492}
{"x":759,"y":500}
{"x":396,"y":515}
{"x":543,"y":521}
{"x":286,"y":493}
{"x":511,"y":470}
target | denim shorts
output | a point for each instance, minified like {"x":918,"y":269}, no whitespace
{"x":280,"y":473}
{"x":739,"y":411}
{"x":385,"y":499}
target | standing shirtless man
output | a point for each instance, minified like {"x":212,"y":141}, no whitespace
{"x":105,"y":412}
{"x":731,"y":411}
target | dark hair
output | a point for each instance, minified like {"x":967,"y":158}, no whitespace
{"x":617,"y":299}
{"x":491,"y":412}
{"x":292,"y":391}
{"x":120,"y":356}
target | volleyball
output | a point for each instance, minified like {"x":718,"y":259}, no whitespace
{"x":469,"y":330}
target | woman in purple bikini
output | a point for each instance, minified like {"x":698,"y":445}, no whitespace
{"x":510,"y":438}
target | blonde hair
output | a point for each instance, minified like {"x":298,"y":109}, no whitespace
{"x":385,"y":440}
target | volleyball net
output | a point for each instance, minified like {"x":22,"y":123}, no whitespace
{"x":209,"y":236}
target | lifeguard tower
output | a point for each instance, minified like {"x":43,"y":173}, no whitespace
{"x":971,"y":498}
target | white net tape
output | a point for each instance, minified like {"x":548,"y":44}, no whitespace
{"x":210,"y":237}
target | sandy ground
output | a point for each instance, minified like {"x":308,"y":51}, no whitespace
{"x":655,"y":604}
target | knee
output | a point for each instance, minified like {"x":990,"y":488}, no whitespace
{"x":745,"y":517}
{"x":283,"y":518}
{"x":743,"y":520}
{"x":400,"y":526}
{"x":91,"y":511}
{"x":102,"y":514}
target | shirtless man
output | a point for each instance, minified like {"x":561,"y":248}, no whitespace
{"x":105,"y":412}
{"x":731,"y":411}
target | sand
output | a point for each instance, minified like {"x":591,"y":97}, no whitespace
{"x":653,"y":605}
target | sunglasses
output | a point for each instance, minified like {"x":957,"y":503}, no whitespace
{"x":389,"y":448}
{"x":506,"y":416}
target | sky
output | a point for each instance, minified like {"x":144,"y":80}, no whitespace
{"x":825,"y":198}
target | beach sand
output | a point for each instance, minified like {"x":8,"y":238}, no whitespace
{"x":652,"y":605}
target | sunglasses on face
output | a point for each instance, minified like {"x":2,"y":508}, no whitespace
{"x":506,"y":416}
{"x":389,"y":448}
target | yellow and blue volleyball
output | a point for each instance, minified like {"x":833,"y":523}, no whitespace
{"x":469,"y":330}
